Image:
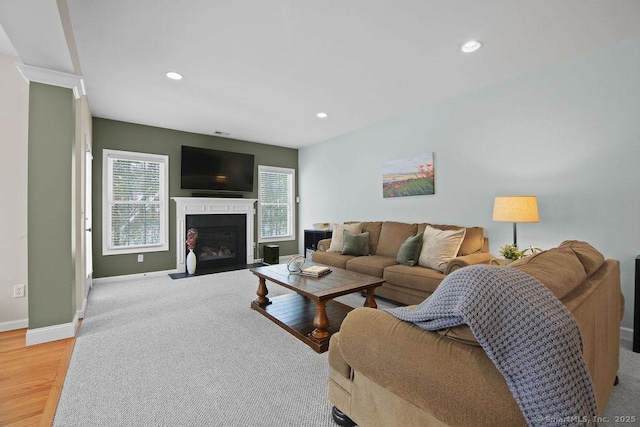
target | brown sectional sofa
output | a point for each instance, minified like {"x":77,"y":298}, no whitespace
{"x":404,"y":284}
{"x":388,"y":372}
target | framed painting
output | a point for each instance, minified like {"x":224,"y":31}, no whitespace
{"x":408,"y":177}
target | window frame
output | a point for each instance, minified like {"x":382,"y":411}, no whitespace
{"x":107,"y":195}
{"x":291,"y":203}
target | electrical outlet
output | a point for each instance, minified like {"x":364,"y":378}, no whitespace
{"x":140,"y":257}
{"x":18,"y":291}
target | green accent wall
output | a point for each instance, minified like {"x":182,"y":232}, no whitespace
{"x":116,"y":135}
{"x":50,"y":206}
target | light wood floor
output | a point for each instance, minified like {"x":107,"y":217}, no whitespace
{"x":31,"y":379}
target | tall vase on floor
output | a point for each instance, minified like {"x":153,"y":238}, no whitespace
{"x":191,"y":262}
{"x":192,"y":237}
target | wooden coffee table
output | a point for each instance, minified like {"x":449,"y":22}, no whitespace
{"x":310,"y":313}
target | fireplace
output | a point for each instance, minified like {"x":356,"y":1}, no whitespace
{"x":221,"y":239}
{"x":225,"y":231}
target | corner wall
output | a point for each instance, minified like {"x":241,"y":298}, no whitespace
{"x":568,"y":134}
{"x":51,"y":215}
{"x":116,"y":135}
{"x":14,"y":123}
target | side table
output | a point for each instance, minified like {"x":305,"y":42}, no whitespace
{"x":312,"y":237}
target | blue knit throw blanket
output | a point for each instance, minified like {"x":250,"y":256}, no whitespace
{"x":530,"y":336}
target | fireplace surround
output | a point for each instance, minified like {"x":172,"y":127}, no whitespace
{"x":216,"y":237}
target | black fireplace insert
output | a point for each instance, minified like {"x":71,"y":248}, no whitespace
{"x":221,"y":242}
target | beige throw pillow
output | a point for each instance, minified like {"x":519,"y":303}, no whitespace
{"x":337,"y":237}
{"x":439,"y":246}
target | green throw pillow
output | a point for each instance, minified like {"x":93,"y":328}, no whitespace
{"x":355,"y":244}
{"x":409,"y":251}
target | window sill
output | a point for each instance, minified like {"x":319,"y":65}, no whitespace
{"x":276,"y":239}
{"x":134,"y":250}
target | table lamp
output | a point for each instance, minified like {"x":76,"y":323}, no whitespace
{"x":515,"y":209}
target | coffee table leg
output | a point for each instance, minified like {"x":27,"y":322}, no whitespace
{"x":371,"y":299}
{"x":321,"y":321}
{"x":262,"y":292}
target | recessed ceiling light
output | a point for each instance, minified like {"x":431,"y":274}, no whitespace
{"x":322,"y":115}
{"x":471,"y":46}
{"x":174,"y":76}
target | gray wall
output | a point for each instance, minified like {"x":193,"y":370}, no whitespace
{"x":51,"y":267}
{"x":569,"y":134}
{"x":109,"y":134}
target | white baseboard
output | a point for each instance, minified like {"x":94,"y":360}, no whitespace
{"x":13,"y":325}
{"x":52,"y":333}
{"x":626,"y":334}
{"x":126,"y":277}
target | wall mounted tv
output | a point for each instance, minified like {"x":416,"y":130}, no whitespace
{"x":206,"y":169}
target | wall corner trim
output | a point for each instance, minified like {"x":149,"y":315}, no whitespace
{"x":54,"y":78}
{"x":80,"y":313}
{"x":52,"y":333}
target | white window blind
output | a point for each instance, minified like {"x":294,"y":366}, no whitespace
{"x":135,"y":202}
{"x":276,"y":208}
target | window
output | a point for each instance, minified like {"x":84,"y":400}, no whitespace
{"x":276,"y":210}
{"x":135,"y":202}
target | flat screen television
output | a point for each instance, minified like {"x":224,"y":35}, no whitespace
{"x":206,"y":169}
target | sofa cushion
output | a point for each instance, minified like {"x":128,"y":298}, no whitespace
{"x":589,"y":256}
{"x":334,"y":259}
{"x":372,"y":265}
{"x":419,"y":278}
{"x":392,"y":235}
{"x":337,"y":238}
{"x":374,"y":229}
{"x":473,"y":239}
{"x":355,"y":244}
{"x":409,"y":251}
{"x":439,"y":246}
{"x":558,"y":268}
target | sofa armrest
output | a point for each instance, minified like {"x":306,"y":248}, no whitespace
{"x":323,"y":245}
{"x":467,"y":260}
{"x":336,"y":360}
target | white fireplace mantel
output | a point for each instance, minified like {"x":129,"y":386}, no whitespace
{"x":208,"y":206}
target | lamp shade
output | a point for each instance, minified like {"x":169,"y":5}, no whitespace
{"x":515,"y":209}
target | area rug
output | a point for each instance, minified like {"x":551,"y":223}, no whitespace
{"x":191,"y":352}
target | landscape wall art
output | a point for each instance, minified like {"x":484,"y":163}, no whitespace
{"x":408,"y":177}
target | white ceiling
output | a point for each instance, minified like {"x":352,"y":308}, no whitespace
{"x":261,"y":70}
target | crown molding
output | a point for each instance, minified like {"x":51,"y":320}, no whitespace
{"x":54,"y":78}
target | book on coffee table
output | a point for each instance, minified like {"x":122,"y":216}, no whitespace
{"x":315,"y":271}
